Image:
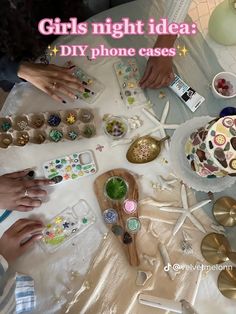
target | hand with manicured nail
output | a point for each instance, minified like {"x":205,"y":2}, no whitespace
{"x":19,"y":238}
{"x":53,"y":80}
{"x":19,"y":192}
{"x":159,"y":70}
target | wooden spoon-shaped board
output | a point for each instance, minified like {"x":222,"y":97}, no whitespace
{"x":106,"y":203}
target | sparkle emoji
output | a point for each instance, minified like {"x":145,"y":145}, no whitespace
{"x":53,"y":51}
{"x":183,"y":51}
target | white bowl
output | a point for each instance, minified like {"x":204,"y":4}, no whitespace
{"x":228,"y":76}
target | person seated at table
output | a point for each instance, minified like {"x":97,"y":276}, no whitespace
{"x":21,"y":43}
{"x":16,"y":290}
{"x":19,"y":192}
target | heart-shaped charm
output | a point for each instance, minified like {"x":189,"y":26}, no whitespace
{"x":224,"y":211}
{"x":145,"y":149}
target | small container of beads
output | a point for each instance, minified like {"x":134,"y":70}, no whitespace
{"x":116,"y":127}
{"x":54,"y":119}
{"x":5,"y":140}
{"x":21,"y":123}
{"x":110,"y":216}
{"x":5,"y":124}
{"x":130,"y":206}
{"x":133,"y":225}
{"x":21,"y":138}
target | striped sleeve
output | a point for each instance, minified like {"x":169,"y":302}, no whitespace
{"x":7,"y":290}
{"x":17,"y":293}
{"x":176,"y":10}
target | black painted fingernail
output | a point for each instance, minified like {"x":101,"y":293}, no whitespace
{"x":76,"y":97}
{"x":31,"y":173}
{"x":84,"y":83}
{"x":64,"y":102}
{"x":72,"y":67}
{"x":87,"y":90}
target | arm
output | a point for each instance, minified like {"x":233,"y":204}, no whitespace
{"x":176,"y":10}
{"x":14,"y":292}
{"x":159,"y":70}
{"x":7,"y":289}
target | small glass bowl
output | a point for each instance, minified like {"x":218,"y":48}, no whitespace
{"x":116,"y":127}
{"x":109,"y":183}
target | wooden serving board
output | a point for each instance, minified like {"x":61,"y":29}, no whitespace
{"x":105,"y":203}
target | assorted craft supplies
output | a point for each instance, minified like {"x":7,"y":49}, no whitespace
{"x":47,"y":127}
{"x":117,"y":190}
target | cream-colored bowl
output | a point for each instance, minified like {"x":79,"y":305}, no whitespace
{"x":228,"y":76}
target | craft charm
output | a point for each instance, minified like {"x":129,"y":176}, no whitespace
{"x":55,"y":135}
{"x":127,"y":238}
{"x":71,"y":118}
{"x":135,"y":122}
{"x":54,"y":120}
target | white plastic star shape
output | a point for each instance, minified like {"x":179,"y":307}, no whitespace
{"x":161,"y":124}
{"x":186,"y":212}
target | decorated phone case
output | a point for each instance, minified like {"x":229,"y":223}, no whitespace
{"x":69,"y":223}
{"x":128,"y":76}
{"x":70,"y":167}
{"x":93,"y":87}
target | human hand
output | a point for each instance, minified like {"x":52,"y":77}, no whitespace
{"x":19,"y":238}
{"x":159,"y":70}
{"x":51,"y":79}
{"x":20,"y":193}
{"x":158,"y":73}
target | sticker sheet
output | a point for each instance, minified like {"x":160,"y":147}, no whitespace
{"x":71,"y":167}
{"x":68,"y":224}
{"x":128,"y":76}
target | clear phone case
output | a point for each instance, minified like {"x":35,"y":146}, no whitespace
{"x":70,"y":167}
{"x":93,"y":87}
{"x":69,"y":223}
{"x":128,"y":76}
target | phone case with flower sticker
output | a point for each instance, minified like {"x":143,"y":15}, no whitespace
{"x":128,"y":77}
{"x":71,"y":167}
{"x":69,"y":223}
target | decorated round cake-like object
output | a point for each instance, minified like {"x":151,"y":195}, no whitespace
{"x":211,"y":149}
{"x":221,"y":144}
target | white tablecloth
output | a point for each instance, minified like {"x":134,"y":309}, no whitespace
{"x":52,"y":273}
